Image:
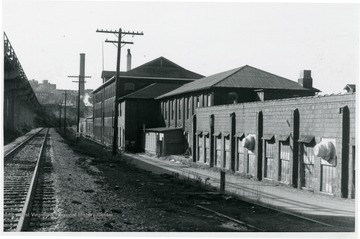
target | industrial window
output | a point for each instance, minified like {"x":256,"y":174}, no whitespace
{"x":209,"y":99}
{"x":270,"y":159}
{"x":207,"y":148}
{"x":284,"y":170}
{"x":232,"y":98}
{"x":200,"y":148}
{"x":172,"y":109}
{"x":179,"y":108}
{"x":218,"y":148}
{"x":240,"y":159}
{"x":166,"y":110}
{"x":227,"y":163}
{"x":188,"y":108}
{"x":197,"y":101}
{"x":308,"y":160}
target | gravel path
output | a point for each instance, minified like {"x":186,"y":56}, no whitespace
{"x":98,"y":195}
{"x":83,"y":203}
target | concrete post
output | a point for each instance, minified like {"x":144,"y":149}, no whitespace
{"x":258,"y":147}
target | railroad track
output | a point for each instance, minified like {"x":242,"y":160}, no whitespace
{"x":26,"y":184}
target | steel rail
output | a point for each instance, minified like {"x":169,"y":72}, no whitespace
{"x":25,"y":213}
{"x":20,"y":146}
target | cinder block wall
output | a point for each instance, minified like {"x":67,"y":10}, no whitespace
{"x":330,"y":116}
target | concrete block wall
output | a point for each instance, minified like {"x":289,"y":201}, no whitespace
{"x":331,"y":117}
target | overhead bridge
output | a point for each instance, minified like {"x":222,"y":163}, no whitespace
{"x":20,"y":102}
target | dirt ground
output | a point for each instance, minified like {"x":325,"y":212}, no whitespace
{"x":96,"y":192}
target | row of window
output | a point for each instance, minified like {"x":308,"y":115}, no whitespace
{"x":177,"y":105}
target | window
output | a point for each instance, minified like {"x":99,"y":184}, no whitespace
{"x":207,"y":148}
{"x":284,"y":165}
{"x":120,"y":110}
{"x":308,"y":168}
{"x":172,"y":109}
{"x":270,"y":159}
{"x":179,"y":108}
{"x":232,"y":98}
{"x":188,"y":108}
{"x":227,"y":163}
{"x":240,"y":158}
{"x":209,"y":99}
{"x":197,"y":101}
{"x":218,"y":147}
{"x":200,"y":148}
{"x":166,"y":110}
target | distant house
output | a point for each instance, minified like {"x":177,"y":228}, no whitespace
{"x":160,"y":70}
{"x":243,"y":84}
{"x":350,"y":88}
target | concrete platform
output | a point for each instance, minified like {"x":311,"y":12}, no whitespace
{"x":323,"y":209}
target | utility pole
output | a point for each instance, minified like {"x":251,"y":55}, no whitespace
{"x":65,"y":117}
{"x":119,"y":34}
{"x":60,"y":108}
{"x":81,"y":89}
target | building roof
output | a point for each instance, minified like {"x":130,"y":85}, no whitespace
{"x":151,"y":91}
{"x":159,"y":67}
{"x":241,"y":77}
{"x":162,"y":129}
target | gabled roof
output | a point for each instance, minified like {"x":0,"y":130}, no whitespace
{"x":243,"y":77}
{"x":159,"y":67}
{"x":151,"y":91}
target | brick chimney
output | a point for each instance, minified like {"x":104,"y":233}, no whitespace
{"x":305,"y":79}
{"x":128,"y":65}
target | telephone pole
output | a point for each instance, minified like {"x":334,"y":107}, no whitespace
{"x":119,"y":34}
{"x":65,"y":116}
{"x":81,"y":89}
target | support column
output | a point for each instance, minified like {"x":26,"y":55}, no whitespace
{"x":294,"y":137}
{"x":232,"y":141}
{"x":345,"y":152}
{"x":211,"y":138}
{"x":194,"y":146}
{"x":258,"y":147}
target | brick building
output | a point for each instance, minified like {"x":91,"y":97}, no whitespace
{"x":160,"y":70}
{"x":275,"y":140}
{"x":243,"y":84}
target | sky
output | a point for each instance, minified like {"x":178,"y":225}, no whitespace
{"x":204,"y":37}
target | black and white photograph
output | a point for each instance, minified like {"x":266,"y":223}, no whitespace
{"x":180,"y":119}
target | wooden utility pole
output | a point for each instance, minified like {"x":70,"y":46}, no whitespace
{"x":81,"y":87}
{"x":119,"y":35}
{"x":65,"y":116}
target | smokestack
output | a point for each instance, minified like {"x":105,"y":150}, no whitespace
{"x":82,"y":74}
{"x":305,"y":79}
{"x":128,"y":66}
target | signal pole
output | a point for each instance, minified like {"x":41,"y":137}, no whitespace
{"x":119,"y":34}
{"x":81,"y":82}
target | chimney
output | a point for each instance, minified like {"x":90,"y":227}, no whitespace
{"x":128,"y":66}
{"x":305,"y":79}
